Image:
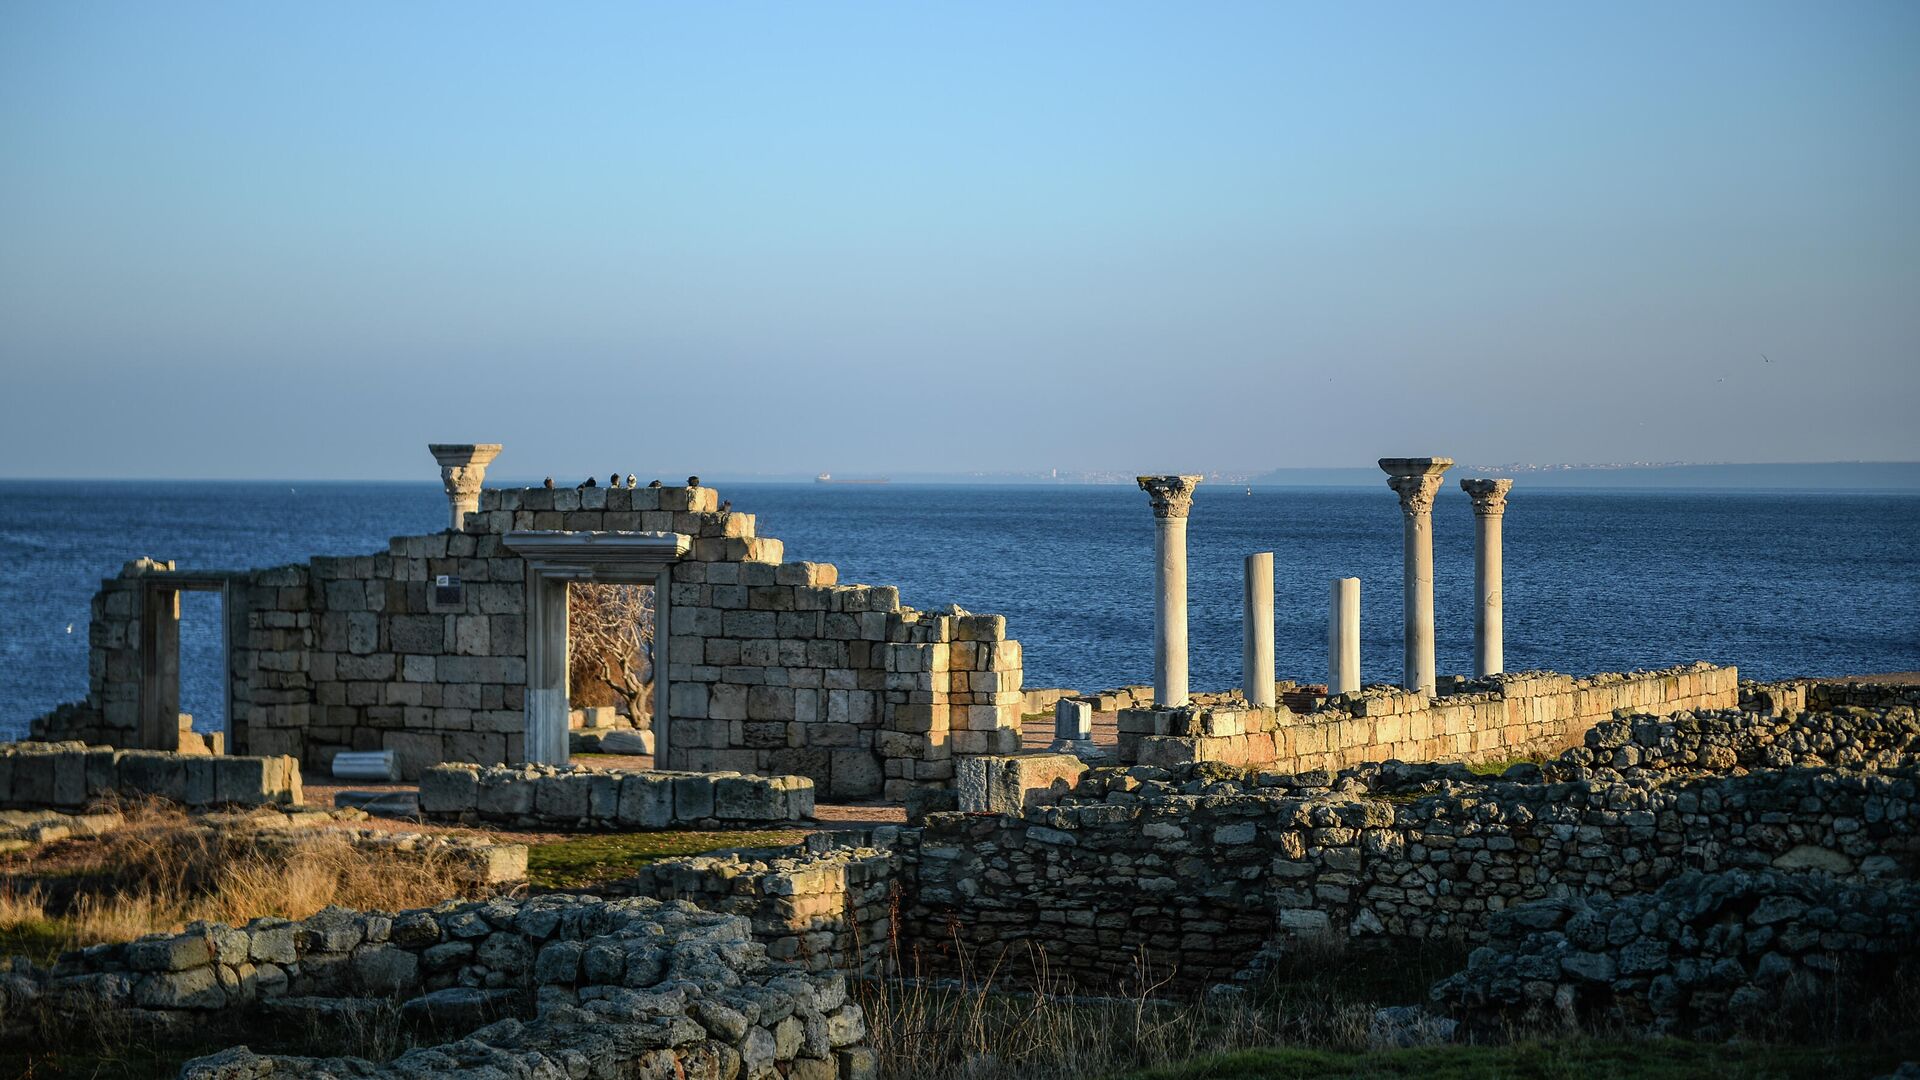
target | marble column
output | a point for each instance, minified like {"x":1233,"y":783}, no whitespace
{"x":1343,"y":637}
{"x":462,"y":467}
{"x":1416,"y":481}
{"x":1172,"y":498}
{"x":1489,"y":507}
{"x":1256,"y":637}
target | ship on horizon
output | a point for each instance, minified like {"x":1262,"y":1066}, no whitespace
{"x":829,"y":478}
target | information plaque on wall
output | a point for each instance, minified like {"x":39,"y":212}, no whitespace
{"x":446,"y":591}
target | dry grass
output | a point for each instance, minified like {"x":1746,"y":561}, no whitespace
{"x":159,"y":872}
{"x":989,"y":1025}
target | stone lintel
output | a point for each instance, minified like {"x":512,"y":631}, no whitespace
{"x":601,"y":555}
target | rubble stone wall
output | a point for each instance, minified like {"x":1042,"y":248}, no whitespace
{"x":1505,"y":716}
{"x":1196,"y":869}
{"x":1705,"y":956}
{"x":774,"y":667}
{"x":70,"y":775}
{"x":585,"y":964}
{"x":820,"y":904}
{"x":568,"y":798}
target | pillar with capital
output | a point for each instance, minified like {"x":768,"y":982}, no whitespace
{"x":1489,"y":507}
{"x":1172,"y":498}
{"x":462,"y":467}
{"x":1416,"y":481}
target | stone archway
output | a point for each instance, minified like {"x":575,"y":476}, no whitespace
{"x":554,"y":561}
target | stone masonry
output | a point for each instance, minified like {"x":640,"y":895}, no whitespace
{"x":774,"y":667}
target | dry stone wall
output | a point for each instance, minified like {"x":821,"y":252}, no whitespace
{"x":568,"y":798}
{"x":1195,"y":869}
{"x":1706,"y":956}
{"x":70,"y":775}
{"x":642,"y":987}
{"x":824,"y":904}
{"x":774,"y":667}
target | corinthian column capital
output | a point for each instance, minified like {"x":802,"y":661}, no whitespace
{"x":1489,"y":496}
{"x":1416,"y":481}
{"x":1172,"y":496}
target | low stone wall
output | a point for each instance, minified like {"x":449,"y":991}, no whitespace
{"x":820,"y":905}
{"x":594,"y":969}
{"x":69,"y":775}
{"x":1504,"y":716}
{"x":573,"y":797}
{"x":1196,"y":869}
{"x":1011,"y":783}
{"x":1707,"y":956}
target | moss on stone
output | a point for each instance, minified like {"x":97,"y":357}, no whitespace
{"x":596,"y":858}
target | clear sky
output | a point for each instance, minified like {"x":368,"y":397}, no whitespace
{"x":301,"y":240}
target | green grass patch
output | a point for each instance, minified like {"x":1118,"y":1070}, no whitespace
{"x":579,"y":861}
{"x":1495,"y":768}
{"x":1569,"y":1059}
{"x":41,"y":940}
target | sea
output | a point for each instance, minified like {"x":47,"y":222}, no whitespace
{"x":1781,"y":583}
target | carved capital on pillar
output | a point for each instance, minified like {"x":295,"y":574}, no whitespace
{"x":1416,"y":481}
{"x":1172,"y":495}
{"x":1489,"y":496}
{"x":463,"y":466}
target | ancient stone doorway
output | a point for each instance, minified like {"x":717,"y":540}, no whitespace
{"x":554,"y":561}
{"x":160,"y":654}
{"x":610,"y":659}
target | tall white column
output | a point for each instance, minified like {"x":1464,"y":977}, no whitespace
{"x":1416,"y":481}
{"x":1489,"y":507}
{"x":462,"y":468}
{"x":1172,"y":498}
{"x":1256,"y":637}
{"x":1343,"y":636}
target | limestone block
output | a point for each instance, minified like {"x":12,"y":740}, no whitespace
{"x":855,"y":774}
{"x":646,"y":801}
{"x":747,"y":798}
{"x":692,"y":797}
{"x":564,"y":797}
{"x":449,"y":790}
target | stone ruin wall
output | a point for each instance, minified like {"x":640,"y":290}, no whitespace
{"x":584,"y":970}
{"x":1197,"y":868}
{"x":73,"y":775}
{"x":1498,"y":718}
{"x":774,"y":667}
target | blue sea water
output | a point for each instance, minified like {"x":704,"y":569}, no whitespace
{"x":1780,"y":583}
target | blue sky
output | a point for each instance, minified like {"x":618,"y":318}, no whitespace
{"x":302,"y":240}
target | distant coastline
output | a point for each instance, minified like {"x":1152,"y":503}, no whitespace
{"x":1887,"y":476}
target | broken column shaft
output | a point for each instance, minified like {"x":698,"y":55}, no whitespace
{"x":1343,"y":637}
{"x":1256,"y":638}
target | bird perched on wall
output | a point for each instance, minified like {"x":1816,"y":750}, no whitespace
{"x":549,"y":484}
{"x":693,"y":481}
{"x":656,"y":483}
{"x":613,"y":481}
{"x":726,"y":505}
{"x":589,"y":482}
{"x":631,"y":482}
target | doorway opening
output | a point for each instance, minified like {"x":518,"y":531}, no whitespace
{"x":611,"y":667}
{"x":165,"y":724}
